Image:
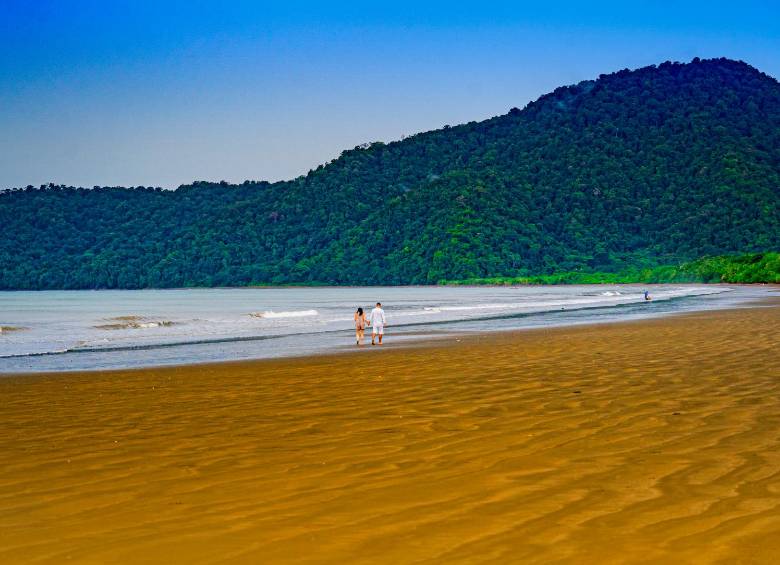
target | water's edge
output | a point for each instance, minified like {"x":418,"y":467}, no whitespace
{"x":284,"y":339}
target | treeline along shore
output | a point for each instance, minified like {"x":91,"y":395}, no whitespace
{"x":737,"y":269}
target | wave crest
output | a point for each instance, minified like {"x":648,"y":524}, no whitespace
{"x":133,"y":323}
{"x":283,"y":314}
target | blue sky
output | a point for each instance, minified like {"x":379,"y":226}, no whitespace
{"x":163,"y":93}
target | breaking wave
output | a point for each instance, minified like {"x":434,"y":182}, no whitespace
{"x":132,"y":323}
{"x":290,"y":314}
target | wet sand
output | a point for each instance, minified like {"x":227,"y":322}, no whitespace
{"x":653,"y":441}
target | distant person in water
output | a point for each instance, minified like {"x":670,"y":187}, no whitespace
{"x":360,"y":325}
{"x":647,"y":296}
{"x":377,"y":319}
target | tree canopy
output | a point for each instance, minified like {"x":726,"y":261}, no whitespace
{"x":638,"y":168}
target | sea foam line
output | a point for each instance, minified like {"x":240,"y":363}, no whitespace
{"x":290,"y":314}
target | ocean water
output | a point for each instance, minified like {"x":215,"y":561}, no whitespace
{"x":75,"y":330}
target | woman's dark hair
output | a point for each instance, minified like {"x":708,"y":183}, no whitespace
{"x":360,"y":311}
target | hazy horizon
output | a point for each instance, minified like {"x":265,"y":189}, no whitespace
{"x":136,"y":94}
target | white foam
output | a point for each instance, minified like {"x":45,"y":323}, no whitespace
{"x":288,"y":314}
{"x":143,"y":325}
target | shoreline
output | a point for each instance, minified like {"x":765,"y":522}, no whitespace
{"x":428,"y":341}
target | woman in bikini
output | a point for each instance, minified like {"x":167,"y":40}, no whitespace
{"x":360,"y":325}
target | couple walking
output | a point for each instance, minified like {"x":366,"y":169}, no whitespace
{"x":376,"y":320}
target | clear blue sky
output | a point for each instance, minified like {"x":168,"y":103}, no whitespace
{"x":163,"y":93}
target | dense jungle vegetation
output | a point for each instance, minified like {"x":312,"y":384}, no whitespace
{"x":745,"y":269}
{"x":636,"y":169}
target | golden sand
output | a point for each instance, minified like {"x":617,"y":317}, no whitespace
{"x":656,"y":441}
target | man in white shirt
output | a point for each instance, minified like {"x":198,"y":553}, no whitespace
{"x":377,"y":321}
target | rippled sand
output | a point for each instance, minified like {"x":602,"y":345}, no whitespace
{"x":656,"y":441}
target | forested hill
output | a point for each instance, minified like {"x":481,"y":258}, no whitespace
{"x":664,"y":163}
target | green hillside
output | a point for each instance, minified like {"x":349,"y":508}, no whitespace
{"x":635,"y":169}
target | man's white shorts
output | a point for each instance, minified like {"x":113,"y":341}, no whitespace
{"x":377,"y":329}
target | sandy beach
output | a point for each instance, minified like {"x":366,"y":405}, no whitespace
{"x":651,"y":441}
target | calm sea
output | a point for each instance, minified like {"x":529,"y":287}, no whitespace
{"x":73,"y":330}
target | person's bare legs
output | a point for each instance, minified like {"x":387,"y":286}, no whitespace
{"x":380,"y":338}
{"x":373,"y":337}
